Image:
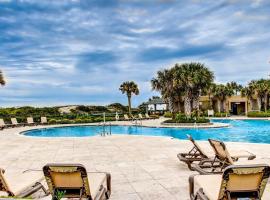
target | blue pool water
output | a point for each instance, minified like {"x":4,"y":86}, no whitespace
{"x":255,"y":131}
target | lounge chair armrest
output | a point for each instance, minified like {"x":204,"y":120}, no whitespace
{"x":202,"y":171}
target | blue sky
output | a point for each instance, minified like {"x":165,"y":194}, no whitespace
{"x":79,"y":52}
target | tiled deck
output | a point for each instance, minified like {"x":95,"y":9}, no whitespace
{"x":142,"y":167}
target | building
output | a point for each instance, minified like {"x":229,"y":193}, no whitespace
{"x":156,"y":106}
{"x":235,"y":105}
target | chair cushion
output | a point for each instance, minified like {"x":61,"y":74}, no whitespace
{"x":210,"y":185}
{"x":19,"y":182}
{"x":240,"y":154}
{"x":95,"y":181}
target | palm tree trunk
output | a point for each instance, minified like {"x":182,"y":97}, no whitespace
{"x":170,"y":104}
{"x":219,"y":105}
{"x":224,"y":106}
{"x":251,"y":104}
{"x":129,"y":104}
{"x":259,"y":102}
{"x":265,"y":102}
{"x":196,"y":102}
{"x":187,"y":105}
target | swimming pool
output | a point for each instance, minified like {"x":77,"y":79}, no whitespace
{"x":255,"y":131}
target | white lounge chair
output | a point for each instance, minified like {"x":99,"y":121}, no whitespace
{"x":140,"y":116}
{"x":147,"y":116}
{"x":126,"y":117}
{"x":15,"y":123}
{"x":30,"y":121}
{"x":2,"y":124}
{"x":43,"y":120}
{"x":20,"y":184}
{"x":210,"y":113}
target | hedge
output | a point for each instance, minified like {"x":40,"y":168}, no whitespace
{"x":258,"y":114}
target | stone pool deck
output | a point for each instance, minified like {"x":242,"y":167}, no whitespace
{"x":142,"y":167}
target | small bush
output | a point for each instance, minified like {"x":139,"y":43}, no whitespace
{"x":182,"y":118}
{"x":168,"y":115}
{"x":154,"y":116}
{"x":258,"y":114}
{"x":221,"y":114}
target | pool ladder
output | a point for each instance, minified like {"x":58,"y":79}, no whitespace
{"x":104,"y":131}
{"x":137,"y":122}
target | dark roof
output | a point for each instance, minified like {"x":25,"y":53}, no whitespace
{"x":156,"y":101}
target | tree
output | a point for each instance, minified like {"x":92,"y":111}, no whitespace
{"x":164,"y":83}
{"x":221,"y":92}
{"x":262,"y":88}
{"x":235,"y":87}
{"x":2,"y":80}
{"x":249,"y":92}
{"x":129,"y":87}
{"x":194,"y":78}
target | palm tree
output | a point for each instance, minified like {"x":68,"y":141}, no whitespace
{"x":194,"y":78}
{"x":249,"y":92}
{"x":129,"y":87}
{"x":235,"y":87}
{"x":2,"y":81}
{"x":221,"y":92}
{"x":262,"y":88}
{"x":171,"y":93}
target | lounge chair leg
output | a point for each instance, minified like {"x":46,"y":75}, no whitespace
{"x":33,"y":190}
{"x":191,"y":187}
{"x":109,"y":189}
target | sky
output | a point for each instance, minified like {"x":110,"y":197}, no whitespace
{"x":61,"y":52}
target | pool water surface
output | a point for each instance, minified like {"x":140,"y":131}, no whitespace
{"x":255,"y":131}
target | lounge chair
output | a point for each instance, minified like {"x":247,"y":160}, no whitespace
{"x":73,"y":181}
{"x":222,"y":156}
{"x":43,"y":120}
{"x":20,"y":184}
{"x":15,"y":123}
{"x":236,"y":182}
{"x":195,"y":154}
{"x":126,"y":117}
{"x":147,"y":116}
{"x":30,"y":121}
{"x":2,"y":124}
{"x":140,"y":116}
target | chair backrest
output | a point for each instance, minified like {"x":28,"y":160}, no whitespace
{"x":126,"y":117}
{"x":43,"y":120}
{"x":116,"y":117}
{"x":14,"y":121}
{"x":2,"y":122}
{"x":146,"y":115}
{"x":210,"y":112}
{"x":244,"y":181}
{"x":70,"y":178}
{"x":3,"y":183}
{"x":30,"y":120}
{"x":140,"y":116}
{"x":198,"y":148}
{"x":221,"y":151}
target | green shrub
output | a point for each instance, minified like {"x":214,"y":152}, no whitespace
{"x":221,"y":114}
{"x":188,"y":120}
{"x":258,"y":114}
{"x":154,"y":116}
{"x":182,"y":118}
{"x":168,"y":115}
{"x":52,"y":121}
